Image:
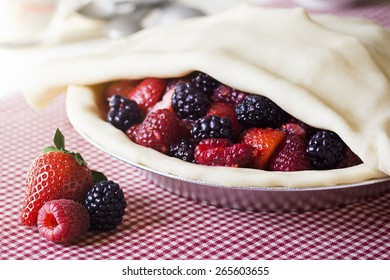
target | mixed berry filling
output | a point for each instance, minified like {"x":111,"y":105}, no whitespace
{"x":200,"y":120}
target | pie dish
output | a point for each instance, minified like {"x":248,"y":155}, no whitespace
{"x":330,"y":72}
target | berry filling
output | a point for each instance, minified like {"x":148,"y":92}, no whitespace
{"x":200,"y":120}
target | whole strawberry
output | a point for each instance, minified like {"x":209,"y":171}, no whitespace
{"x":55,"y":174}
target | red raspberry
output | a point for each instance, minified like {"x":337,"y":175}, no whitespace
{"x":291,"y":155}
{"x":159,"y":130}
{"x":227,"y":94}
{"x":221,"y":109}
{"x":63,"y":220}
{"x":222,"y":152}
{"x":147,"y":93}
{"x":132,"y":131}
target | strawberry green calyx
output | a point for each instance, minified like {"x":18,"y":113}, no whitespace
{"x":59,"y":146}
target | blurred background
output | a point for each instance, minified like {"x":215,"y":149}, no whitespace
{"x":32,"y":31}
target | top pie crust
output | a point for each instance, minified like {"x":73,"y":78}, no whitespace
{"x":330,"y":72}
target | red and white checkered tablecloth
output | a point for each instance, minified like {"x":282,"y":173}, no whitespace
{"x":161,"y":225}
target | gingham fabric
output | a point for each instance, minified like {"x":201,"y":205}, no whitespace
{"x":161,"y":225}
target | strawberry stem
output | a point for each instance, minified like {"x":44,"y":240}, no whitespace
{"x":59,"y":146}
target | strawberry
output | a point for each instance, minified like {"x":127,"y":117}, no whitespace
{"x":158,"y":131}
{"x":165,"y":102}
{"x":291,"y":155}
{"x":63,"y":220}
{"x":222,"y":152}
{"x":221,"y":109}
{"x":265,"y":141}
{"x":56,"y":174}
{"x":147,"y":93}
{"x":121,"y":87}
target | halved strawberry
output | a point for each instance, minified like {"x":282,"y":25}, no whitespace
{"x":147,"y":93}
{"x":265,"y":141}
{"x":165,"y":102}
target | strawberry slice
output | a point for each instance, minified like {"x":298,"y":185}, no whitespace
{"x":265,"y":141}
{"x":165,"y":102}
{"x":147,"y":93}
{"x":222,"y":152}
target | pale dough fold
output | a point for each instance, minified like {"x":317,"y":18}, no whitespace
{"x":330,"y":72}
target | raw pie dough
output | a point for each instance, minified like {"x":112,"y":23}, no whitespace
{"x":330,"y":72}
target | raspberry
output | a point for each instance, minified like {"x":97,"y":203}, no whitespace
{"x":147,"y":93}
{"x":204,"y":82}
{"x":184,"y":150}
{"x":211,"y":127}
{"x":106,"y":205}
{"x":221,"y":109}
{"x":159,"y":130}
{"x":290,"y":155}
{"x":188,"y":102}
{"x":123,"y":112}
{"x":222,"y":152}
{"x":227,"y":94}
{"x":63,"y":221}
{"x":259,"y":111}
{"x":325,"y":149}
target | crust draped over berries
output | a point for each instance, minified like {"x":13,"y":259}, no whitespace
{"x":201,"y":120}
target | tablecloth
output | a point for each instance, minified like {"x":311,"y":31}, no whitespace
{"x":161,"y":225}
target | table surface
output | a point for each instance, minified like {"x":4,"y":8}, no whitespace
{"x":161,"y":225}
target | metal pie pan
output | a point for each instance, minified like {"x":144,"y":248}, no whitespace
{"x":268,"y":199}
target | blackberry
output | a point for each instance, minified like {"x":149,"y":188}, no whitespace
{"x":106,"y":205}
{"x":188,"y":102}
{"x":204,"y":82}
{"x":325,"y":149}
{"x":259,"y":111}
{"x":211,"y":127}
{"x":123,"y":112}
{"x":184,"y":150}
